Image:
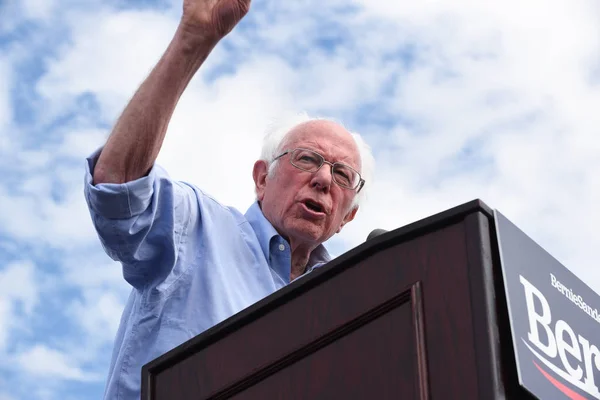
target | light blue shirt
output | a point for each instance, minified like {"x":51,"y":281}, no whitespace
{"x":191,"y":261}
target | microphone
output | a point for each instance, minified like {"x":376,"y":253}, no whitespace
{"x":375,"y":233}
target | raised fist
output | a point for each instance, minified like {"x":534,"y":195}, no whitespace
{"x":213,"y":18}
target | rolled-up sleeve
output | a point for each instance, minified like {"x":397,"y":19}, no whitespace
{"x":140,"y":223}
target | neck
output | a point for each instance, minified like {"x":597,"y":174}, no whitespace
{"x":300,"y":256}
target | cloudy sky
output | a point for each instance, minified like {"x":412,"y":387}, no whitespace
{"x":458,"y":99}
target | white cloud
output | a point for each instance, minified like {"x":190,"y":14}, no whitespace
{"x":111,"y":53}
{"x":79,"y":143}
{"x":20,"y":221}
{"x":19,"y":294}
{"x":9,"y":15}
{"x":44,"y":362}
{"x":5,"y":103}
{"x":6,"y":316}
{"x":98,"y":315}
{"x":35,"y":218}
{"x":17,"y":282}
{"x":38,"y":9}
{"x":92,"y":272}
{"x":47,"y":204}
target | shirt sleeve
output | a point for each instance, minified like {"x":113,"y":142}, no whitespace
{"x":141,"y":223}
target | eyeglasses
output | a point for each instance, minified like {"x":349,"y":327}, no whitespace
{"x":310,"y":161}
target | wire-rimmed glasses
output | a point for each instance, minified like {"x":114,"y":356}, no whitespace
{"x":311,"y":161}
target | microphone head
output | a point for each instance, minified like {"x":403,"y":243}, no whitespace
{"x":375,"y":233}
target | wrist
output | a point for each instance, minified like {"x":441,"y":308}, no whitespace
{"x":195,"y":39}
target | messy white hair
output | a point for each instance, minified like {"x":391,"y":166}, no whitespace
{"x":275,"y":139}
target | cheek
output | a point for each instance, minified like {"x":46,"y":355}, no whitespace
{"x":281,"y":191}
{"x":343,"y":201}
{"x":282,"y":177}
{"x":342,"y":207}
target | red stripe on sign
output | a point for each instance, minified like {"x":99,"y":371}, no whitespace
{"x":570,"y":393}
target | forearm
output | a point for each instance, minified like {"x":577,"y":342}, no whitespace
{"x":137,"y":137}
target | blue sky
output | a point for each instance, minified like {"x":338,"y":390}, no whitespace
{"x":458,"y":101}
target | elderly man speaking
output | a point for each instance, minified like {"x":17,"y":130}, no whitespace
{"x":191,"y":261}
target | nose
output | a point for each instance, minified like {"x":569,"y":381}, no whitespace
{"x":322,"y":179}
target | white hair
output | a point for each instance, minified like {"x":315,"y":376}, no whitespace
{"x":275,"y":139}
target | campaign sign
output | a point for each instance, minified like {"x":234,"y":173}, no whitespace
{"x":554,"y":317}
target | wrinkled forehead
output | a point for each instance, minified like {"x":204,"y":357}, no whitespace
{"x":328,"y":138}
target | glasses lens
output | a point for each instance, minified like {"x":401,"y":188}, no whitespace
{"x":345,"y":176}
{"x":306,"y":160}
{"x":310,"y":161}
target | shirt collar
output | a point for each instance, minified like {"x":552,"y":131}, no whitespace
{"x":262,"y":227}
{"x":265,"y":233}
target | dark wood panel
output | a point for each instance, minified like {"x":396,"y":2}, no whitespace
{"x":356,"y":366}
{"x":439,"y":260}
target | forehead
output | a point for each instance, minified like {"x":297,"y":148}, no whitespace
{"x":328,"y":138}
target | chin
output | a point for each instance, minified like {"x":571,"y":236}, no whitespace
{"x":305,"y":230}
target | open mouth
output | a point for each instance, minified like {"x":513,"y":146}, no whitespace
{"x":311,"y":205}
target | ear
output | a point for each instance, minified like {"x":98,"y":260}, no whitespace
{"x":349,"y":217}
{"x":259,"y":173}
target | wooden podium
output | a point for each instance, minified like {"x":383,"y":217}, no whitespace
{"x":415,"y":313}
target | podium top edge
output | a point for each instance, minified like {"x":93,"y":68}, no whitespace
{"x":431,"y":222}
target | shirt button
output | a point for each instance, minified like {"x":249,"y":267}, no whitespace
{"x":281,"y":247}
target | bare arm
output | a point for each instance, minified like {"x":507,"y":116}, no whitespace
{"x":137,"y":137}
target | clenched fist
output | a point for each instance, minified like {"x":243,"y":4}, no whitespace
{"x":213,"y":18}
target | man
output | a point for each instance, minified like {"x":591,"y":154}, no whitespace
{"x":191,"y":261}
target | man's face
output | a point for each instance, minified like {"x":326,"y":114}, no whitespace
{"x":288,"y":197}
